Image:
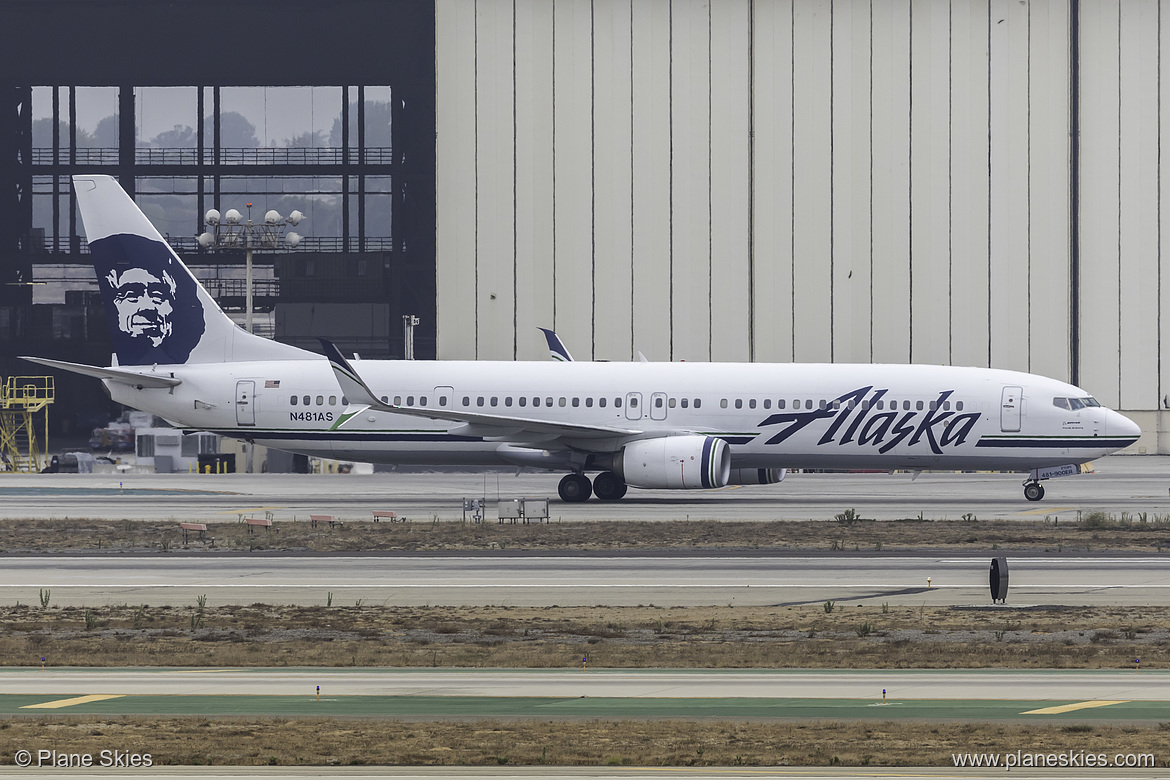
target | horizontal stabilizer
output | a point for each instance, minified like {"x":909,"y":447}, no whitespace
{"x":133,"y":378}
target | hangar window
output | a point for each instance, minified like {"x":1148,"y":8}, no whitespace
{"x":333,"y":400}
{"x":293,"y":400}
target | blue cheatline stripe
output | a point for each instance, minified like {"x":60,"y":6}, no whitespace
{"x":327,"y":435}
{"x":1093,"y":443}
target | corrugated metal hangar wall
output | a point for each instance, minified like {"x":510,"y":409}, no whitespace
{"x":972,"y":183}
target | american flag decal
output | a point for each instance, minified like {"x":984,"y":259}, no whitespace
{"x":270,"y":383}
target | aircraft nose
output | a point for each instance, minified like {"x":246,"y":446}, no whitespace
{"x":1120,"y":425}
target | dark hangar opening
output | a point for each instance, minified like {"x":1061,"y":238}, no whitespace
{"x":327,"y":108}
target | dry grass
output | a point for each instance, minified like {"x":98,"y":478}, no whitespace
{"x":1095,"y":532}
{"x":850,"y":636}
{"x":313,"y":741}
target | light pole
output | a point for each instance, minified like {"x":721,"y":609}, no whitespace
{"x":233,"y":232}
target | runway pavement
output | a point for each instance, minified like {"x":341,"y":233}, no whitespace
{"x":775,"y":694}
{"x":1120,"y":484}
{"x":667,"y":580}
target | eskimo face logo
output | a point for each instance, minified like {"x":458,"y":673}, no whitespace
{"x":144,"y":303}
{"x":152,"y":301}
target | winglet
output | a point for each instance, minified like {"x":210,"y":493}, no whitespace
{"x":555,"y":348}
{"x":353,"y":387}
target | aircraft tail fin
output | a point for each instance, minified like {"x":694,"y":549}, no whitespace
{"x":157,"y":310}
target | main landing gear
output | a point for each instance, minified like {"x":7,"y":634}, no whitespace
{"x":1033,"y":490}
{"x":575,"y":488}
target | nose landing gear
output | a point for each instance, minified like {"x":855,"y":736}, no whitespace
{"x":1033,"y":490}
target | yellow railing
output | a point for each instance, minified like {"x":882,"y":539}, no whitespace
{"x":24,"y":422}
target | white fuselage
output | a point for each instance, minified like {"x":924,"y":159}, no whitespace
{"x":772,"y":415}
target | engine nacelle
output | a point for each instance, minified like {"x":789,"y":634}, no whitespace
{"x":676,"y":462}
{"x":756,"y":476}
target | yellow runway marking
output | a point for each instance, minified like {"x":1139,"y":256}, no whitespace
{"x":59,"y":703}
{"x":1083,"y":705}
{"x":1049,"y":510}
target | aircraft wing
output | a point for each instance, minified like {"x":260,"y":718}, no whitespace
{"x":493,"y":426}
{"x":132,"y":378}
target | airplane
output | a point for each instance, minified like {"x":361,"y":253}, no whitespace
{"x":681,"y":425}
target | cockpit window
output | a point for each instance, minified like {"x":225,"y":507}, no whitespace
{"x":1072,"y":404}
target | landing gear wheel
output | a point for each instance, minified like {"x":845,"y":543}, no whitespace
{"x":1033,"y":491}
{"x":608,"y":486}
{"x":575,"y":488}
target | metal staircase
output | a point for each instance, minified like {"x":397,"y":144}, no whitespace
{"x":24,"y":423}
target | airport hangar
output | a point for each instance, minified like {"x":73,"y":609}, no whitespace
{"x":971,"y":183}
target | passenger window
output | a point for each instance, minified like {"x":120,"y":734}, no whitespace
{"x":723,"y":403}
{"x":864,"y":405}
{"x":479,"y":401}
{"x":918,"y":406}
{"x":576,"y":401}
{"x":495,"y":400}
{"x":589,"y":402}
{"x":344,"y":401}
{"x":535,"y":400}
{"x":657,"y":403}
{"x":698,"y":402}
{"x":442,"y":400}
{"x":466,"y":401}
{"x":780,"y":403}
{"x":333,"y":400}
{"x":822,"y":404}
{"x":906,"y":405}
{"x":507,"y":400}
{"x":933,"y":405}
{"x":548,"y":401}
{"x":385,"y":400}
{"x":422,"y":401}
{"x":946,"y":406}
{"x":835,"y":404}
{"x":523,"y":400}
{"x":959,"y":406}
{"x":672,"y":403}
{"x":398,"y":400}
{"x":738,"y":403}
{"x":410,"y":400}
{"x":617,"y":402}
{"x":293,"y":400}
{"x":684,"y":403}
{"x":306,"y":400}
{"x":320,"y":400}
{"x":881,"y":404}
{"x":634,"y":403}
{"x":752,"y":403}
{"x":601,"y":402}
{"x":767,"y":403}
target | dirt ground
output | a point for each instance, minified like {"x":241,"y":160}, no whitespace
{"x":1095,"y":532}
{"x":311,"y":741}
{"x":848,"y":636}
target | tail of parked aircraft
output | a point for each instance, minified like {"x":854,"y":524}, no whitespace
{"x":157,"y":310}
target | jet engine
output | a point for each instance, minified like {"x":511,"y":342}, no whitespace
{"x":756,"y":476}
{"x":675,"y":462}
